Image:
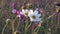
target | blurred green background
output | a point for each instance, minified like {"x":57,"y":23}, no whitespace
{"x":49,"y":26}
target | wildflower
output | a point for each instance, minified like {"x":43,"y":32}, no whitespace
{"x":34,"y":16}
{"x":20,"y":15}
{"x":14,"y":11}
{"x":25,"y":12}
{"x":13,"y":5}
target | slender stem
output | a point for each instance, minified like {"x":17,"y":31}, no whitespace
{"x":12,"y":27}
{"x":4,"y":28}
{"x":29,"y":25}
{"x":18,"y":25}
{"x":32,"y":31}
{"x":37,"y":28}
{"x":26,"y":24}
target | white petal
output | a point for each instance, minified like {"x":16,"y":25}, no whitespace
{"x":36,"y":9}
{"x":35,"y":12}
{"x":31,"y":11}
{"x":38,"y":15}
{"x":31,"y":19}
{"x":30,"y":15}
{"x":26,"y":10}
{"x":23,"y":10}
{"x":37,"y":19}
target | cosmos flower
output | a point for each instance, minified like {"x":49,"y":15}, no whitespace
{"x":25,"y":12}
{"x":20,"y":15}
{"x":14,"y":11}
{"x":34,"y":16}
{"x":13,"y":5}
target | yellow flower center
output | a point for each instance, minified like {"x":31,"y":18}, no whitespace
{"x":33,"y":16}
{"x":26,"y":13}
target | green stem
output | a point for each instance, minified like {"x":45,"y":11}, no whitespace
{"x":29,"y":25}
{"x":26,"y":24}
{"x":4,"y":28}
{"x":18,"y":25}
{"x":13,"y":25}
{"x":37,"y":28}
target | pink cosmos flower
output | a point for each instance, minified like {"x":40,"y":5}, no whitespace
{"x":20,"y":15}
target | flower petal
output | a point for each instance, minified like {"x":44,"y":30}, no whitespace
{"x":37,"y":19}
{"x":26,"y":10}
{"x":38,"y":15}
{"x":14,"y":11}
{"x":31,"y":19}
{"x":31,"y":11}
{"x":19,"y":16}
{"x":30,"y":15}
{"x":35,"y":12}
{"x":23,"y":10}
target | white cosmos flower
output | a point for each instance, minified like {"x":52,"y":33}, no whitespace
{"x":34,"y":16}
{"x":26,"y":11}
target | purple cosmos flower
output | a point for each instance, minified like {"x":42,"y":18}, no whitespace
{"x":13,"y":5}
{"x":14,"y":11}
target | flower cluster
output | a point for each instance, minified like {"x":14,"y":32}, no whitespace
{"x":33,"y":15}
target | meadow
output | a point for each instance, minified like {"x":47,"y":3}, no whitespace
{"x":29,"y":17}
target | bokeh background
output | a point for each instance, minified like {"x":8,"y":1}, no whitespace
{"x":49,"y":26}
